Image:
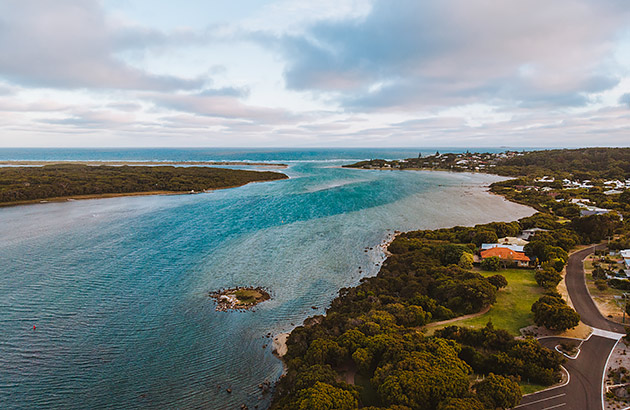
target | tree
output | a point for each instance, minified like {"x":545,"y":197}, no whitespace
{"x":548,"y":278}
{"x":323,"y":396}
{"x":323,"y":351}
{"x":553,"y":313}
{"x":492,"y":263}
{"x":470,"y":403}
{"x":498,"y":281}
{"x":313,"y":374}
{"x":466,"y":260}
{"x":498,"y":391}
{"x":423,"y":379}
{"x":485,"y":236}
{"x":594,"y":228}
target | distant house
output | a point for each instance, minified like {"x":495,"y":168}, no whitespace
{"x":514,"y":248}
{"x":593,"y":210}
{"x":507,"y":256}
{"x":528,"y":233}
{"x":625,"y":254}
{"x":546,"y":179}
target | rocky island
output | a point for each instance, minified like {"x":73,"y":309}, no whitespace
{"x":239,"y":298}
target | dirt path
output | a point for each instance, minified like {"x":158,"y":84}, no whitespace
{"x":472,"y":315}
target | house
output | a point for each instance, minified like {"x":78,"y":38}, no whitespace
{"x":546,"y":179}
{"x":507,"y":256}
{"x":514,"y":248}
{"x":528,"y":233}
{"x":593,"y":210}
{"x":612,"y":192}
{"x":625,"y":254}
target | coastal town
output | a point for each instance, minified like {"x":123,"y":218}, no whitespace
{"x":461,"y":162}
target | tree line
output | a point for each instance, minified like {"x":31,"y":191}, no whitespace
{"x":65,"y":180}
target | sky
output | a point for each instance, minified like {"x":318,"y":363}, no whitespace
{"x":303,"y":73}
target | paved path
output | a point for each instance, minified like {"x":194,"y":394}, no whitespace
{"x":584,"y":389}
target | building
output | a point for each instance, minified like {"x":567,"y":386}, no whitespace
{"x":527,"y":234}
{"x":507,"y":256}
{"x":514,"y":248}
{"x":625,"y":254}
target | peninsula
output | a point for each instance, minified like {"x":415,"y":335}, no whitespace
{"x":451,"y":320}
{"x":152,"y":163}
{"x":32,"y":184}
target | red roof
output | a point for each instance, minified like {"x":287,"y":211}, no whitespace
{"x":505,"y":254}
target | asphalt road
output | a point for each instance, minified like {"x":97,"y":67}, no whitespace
{"x":583,"y":392}
{"x":584,"y":389}
{"x":580,"y":297}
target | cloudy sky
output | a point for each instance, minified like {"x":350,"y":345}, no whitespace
{"x":304,"y":73}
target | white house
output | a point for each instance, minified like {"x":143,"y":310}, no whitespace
{"x":625,"y":254}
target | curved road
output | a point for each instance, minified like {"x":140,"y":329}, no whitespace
{"x":580,"y":297}
{"x":584,"y":389}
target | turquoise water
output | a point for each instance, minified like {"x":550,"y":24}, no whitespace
{"x":117,"y":288}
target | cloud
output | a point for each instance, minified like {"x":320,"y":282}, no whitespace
{"x":222,"y":103}
{"x":625,"y":99}
{"x":72,"y":44}
{"x":408,"y":54}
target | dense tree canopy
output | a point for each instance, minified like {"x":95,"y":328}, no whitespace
{"x":552,"y":312}
{"x":498,"y":392}
{"x":64,"y":180}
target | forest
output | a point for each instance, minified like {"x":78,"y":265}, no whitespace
{"x":23,"y":184}
{"x":582,"y":163}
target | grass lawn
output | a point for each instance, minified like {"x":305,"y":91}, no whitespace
{"x":512,"y":310}
{"x":528,"y":388}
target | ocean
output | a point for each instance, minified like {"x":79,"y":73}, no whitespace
{"x":104,"y":303}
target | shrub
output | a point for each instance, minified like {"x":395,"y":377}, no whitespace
{"x":492,"y":263}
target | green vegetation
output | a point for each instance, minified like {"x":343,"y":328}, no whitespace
{"x":553,"y":312}
{"x":251,"y":296}
{"x":375,"y":328}
{"x":498,"y":392}
{"x":239,"y":298}
{"x":23,"y":184}
{"x":512,"y":309}
{"x":529,"y":388}
{"x":372,"y":329}
{"x":492,"y":264}
{"x":582,"y":163}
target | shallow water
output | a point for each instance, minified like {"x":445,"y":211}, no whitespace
{"x":117,"y":288}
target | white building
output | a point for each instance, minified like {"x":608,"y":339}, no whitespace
{"x":625,"y":254}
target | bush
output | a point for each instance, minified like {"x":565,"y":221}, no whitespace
{"x":548,"y":278}
{"x":492,"y":264}
{"x":553,"y":313}
{"x":466,"y":261}
{"x":498,"y":391}
{"x":498,"y":281}
{"x":601,"y":284}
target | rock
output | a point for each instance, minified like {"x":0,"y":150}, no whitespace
{"x":228,"y":390}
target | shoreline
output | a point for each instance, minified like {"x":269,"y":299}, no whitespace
{"x":115,"y":195}
{"x":481,"y":190}
{"x":17,"y":163}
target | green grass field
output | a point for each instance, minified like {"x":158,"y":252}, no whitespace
{"x":512,"y":310}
